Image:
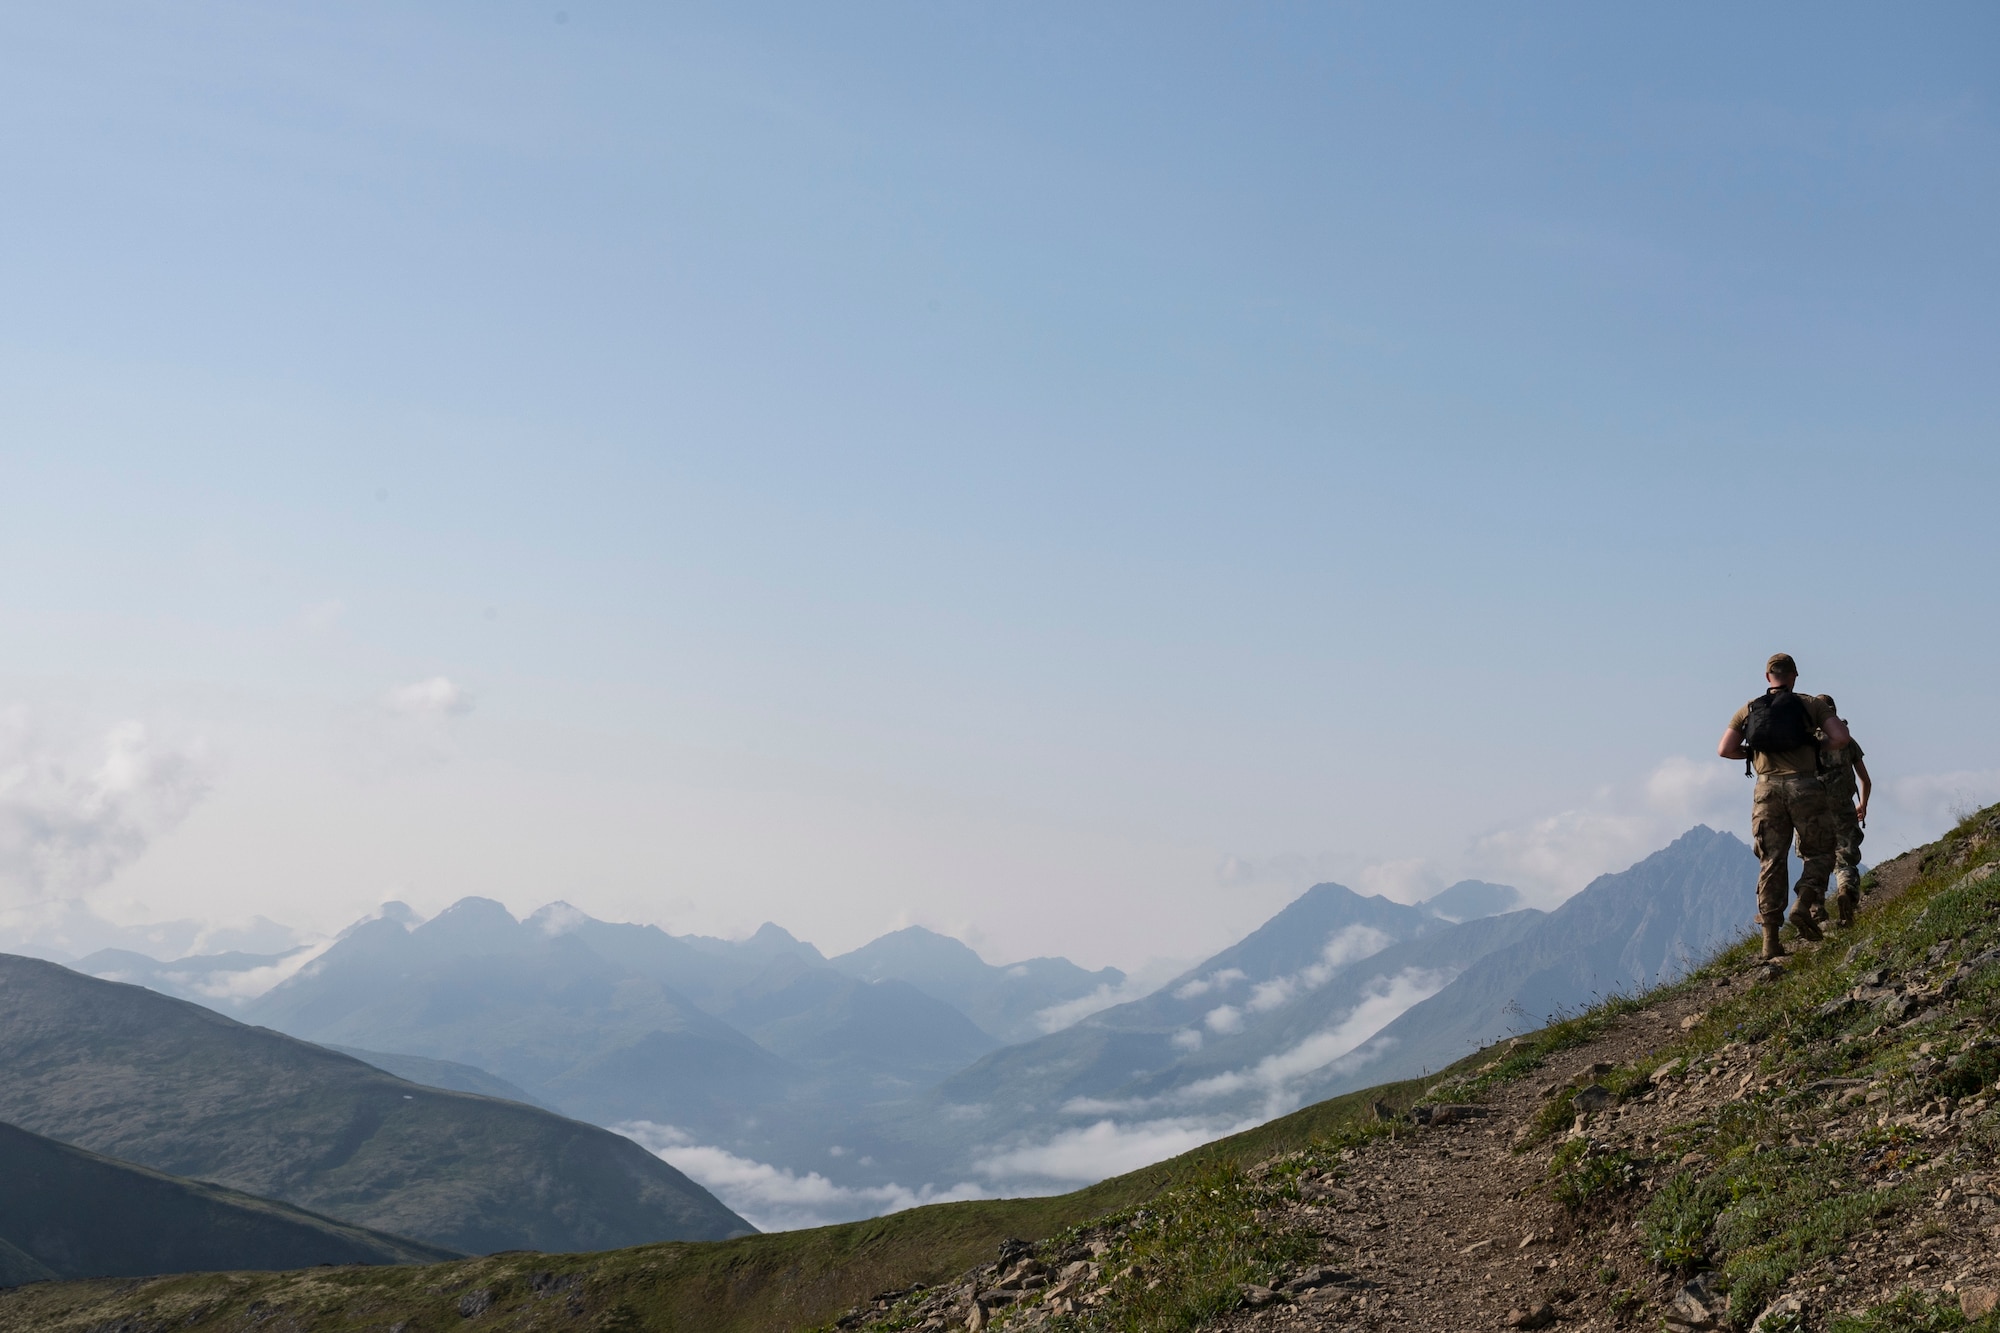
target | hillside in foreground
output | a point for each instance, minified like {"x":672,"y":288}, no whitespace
{"x":65,"y":1212}
{"x":165,"y":1084}
{"x":1811,"y":1146}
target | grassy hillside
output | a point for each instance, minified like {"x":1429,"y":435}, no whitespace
{"x":138,"y":1076}
{"x":72,"y":1213}
{"x":799,"y":1280}
{"x":755,"y":1284}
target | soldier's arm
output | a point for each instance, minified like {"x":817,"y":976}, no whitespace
{"x":1731,"y":746}
{"x":1862,"y":786}
{"x":1836,"y":731}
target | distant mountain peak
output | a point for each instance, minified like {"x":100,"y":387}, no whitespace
{"x":556,"y":918}
{"x":1472,"y":899}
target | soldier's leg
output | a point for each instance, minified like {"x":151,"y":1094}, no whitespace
{"x":1812,"y":815}
{"x":1846,"y":861}
{"x":1771,"y":839}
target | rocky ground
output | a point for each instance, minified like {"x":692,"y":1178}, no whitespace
{"x":1801,"y":1147}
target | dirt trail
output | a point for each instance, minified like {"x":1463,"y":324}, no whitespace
{"x":1450,"y":1228}
{"x":1434,"y":1223}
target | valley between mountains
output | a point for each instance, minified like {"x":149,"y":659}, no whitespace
{"x":1809,"y":1146}
{"x":803,"y":1089}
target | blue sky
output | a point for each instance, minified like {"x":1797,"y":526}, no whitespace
{"x":1068,"y":478}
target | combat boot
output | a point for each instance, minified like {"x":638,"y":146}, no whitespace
{"x":1772,"y":947}
{"x":1801,"y":917}
{"x":1845,"y":904}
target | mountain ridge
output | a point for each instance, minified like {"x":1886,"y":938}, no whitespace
{"x":170,"y":1085}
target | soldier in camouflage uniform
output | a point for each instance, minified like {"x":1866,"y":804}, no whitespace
{"x":1789,"y":798}
{"x":1845,"y":775}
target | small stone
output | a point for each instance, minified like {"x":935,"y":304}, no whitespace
{"x":1539,"y":1315}
{"x":1592,"y":1099}
{"x":474,"y":1304}
{"x":1256,"y":1297}
{"x":1977,"y":1302}
{"x":1476,"y":1247}
{"x":1698,"y":1304}
{"x":1781,"y":1314}
{"x":1693,"y":1019}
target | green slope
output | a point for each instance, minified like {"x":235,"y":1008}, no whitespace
{"x":70,"y":1213}
{"x":799,"y":1280}
{"x":138,"y":1076}
{"x":753,"y":1284}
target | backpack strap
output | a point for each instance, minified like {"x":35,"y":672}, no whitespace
{"x":1748,"y":753}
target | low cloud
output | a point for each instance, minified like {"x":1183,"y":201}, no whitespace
{"x":1935,"y":801}
{"x":78,"y":804}
{"x":1275,"y":1075}
{"x":1142,"y":982}
{"x":772,"y":1198}
{"x":1551,"y":858}
{"x":1409,"y":880}
{"x":1214,"y":981}
{"x":75,"y":810}
{"x":439,"y":696}
{"x":408,"y":728}
{"x":1225,"y":1020}
{"x":1106,"y":1148}
{"x":1343,"y":947}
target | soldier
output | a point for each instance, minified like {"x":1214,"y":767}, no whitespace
{"x":1847,"y":786}
{"x":1774,"y":734}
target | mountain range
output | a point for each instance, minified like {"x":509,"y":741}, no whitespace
{"x":910,"y":1066}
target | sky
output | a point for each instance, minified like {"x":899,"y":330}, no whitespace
{"x":1071,"y":477}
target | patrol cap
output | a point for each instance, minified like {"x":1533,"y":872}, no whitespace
{"x":1781,"y":664}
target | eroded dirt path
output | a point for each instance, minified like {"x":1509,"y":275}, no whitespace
{"x":1450,"y":1228}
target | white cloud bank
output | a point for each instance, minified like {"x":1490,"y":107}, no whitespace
{"x":772,"y":1198}
{"x":74,"y":810}
{"x":1106,"y":1148}
{"x":1143,"y":981}
{"x":78,"y":804}
{"x":1346,"y":946}
{"x":1332,"y":1050}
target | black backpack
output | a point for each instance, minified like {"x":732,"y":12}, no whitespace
{"x":1778,"y":721}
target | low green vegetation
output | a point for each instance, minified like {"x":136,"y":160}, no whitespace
{"x":1580,"y":1174}
{"x":1818,"y":1145}
{"x":1818,"y":1151}
{"x":754,"y":1284}
{"x":1912,"y":1312}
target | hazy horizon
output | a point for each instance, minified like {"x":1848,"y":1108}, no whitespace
{"x":1069,"y":479}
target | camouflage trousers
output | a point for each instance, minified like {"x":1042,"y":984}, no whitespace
{"x":1847,"y":836}
{"x":1785,"y":804}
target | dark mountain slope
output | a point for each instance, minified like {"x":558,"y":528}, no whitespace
{"x":447,"y":1074}
{"x":1327,"y":926}
{"x":179,"y":1088}
{"x":73,"y":1213}
{"x":1622,"y":934}
{"x":1429,"y":961}
{"x":18,"y":1267}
